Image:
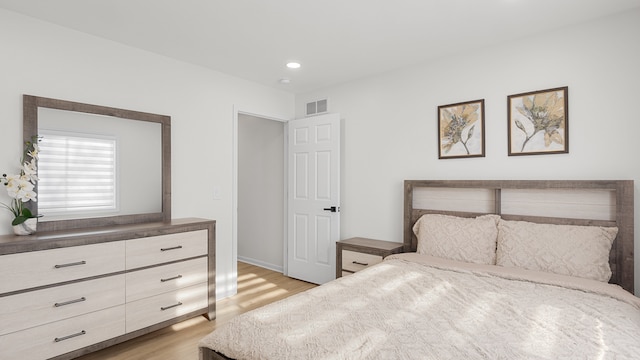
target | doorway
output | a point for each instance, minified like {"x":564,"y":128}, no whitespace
{"x":261,"y":191}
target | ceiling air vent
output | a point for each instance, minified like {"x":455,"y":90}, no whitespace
{"x":317,"y":107}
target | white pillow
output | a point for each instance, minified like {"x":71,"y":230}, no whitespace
{"x":470,"y":240}
{"x":581,"y":251}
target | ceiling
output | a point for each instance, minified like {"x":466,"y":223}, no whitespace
{"x":336,"y":41}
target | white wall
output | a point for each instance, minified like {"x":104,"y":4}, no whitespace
{"x":390,"y":121}
{"x":42,"y":59}
{"x":261,"y":191}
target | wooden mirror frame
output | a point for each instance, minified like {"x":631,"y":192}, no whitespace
{"x":30,"y":129}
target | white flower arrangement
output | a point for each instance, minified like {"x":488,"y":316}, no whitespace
{"x":21,"y":187}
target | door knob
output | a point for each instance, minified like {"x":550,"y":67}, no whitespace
{"x":332,"y":209}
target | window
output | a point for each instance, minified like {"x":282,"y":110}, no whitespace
{"x":78,"y":174}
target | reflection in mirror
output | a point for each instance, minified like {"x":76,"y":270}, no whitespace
{"x":93,"y":165}
{"x":98,"y":166}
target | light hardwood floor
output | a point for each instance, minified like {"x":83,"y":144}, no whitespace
{"x":256,"y":287}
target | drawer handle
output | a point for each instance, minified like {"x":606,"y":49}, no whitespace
{"x":360,"y":263}
{"x":171,"y":278}
{"x":70,"y":302}
{"x":171,"y":248}
{"x":69,"y":336}
{"x":70,"y":264}
{"x":170,"y":306}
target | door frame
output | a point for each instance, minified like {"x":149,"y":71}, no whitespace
{"x":237,"y":110}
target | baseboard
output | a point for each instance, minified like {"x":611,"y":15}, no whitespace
{"x":261,"y":264}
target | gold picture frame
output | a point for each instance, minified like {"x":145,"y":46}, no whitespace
{"x":461,"y":130}
{"x":538,"y":122}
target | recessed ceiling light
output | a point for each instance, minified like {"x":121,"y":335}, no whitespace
{"x":293,"y":65}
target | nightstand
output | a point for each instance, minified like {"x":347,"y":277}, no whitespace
{"x":357,"y":253}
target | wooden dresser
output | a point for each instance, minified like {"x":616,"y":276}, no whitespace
{"x":68,"y":293}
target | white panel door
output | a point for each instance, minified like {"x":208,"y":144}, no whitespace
{"x":313,"y":197}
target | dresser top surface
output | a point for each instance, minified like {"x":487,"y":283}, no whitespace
{"x":10,"y":244}
{"x":365,"y":242}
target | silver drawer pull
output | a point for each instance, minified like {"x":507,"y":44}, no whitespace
{"x":171,"y":248}
{"x":69,"y":336}
{"x":360,"y":263}
{"x":170,"y":306}
{"x":70,"y":302}
{"x":70,"y":264}
{"x":171,"y":278}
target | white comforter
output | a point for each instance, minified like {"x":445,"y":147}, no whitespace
{"x":416,"y":307}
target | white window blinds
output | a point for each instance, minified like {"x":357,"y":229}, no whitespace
{"x":77,"y":174}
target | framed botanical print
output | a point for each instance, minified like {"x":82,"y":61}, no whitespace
{"x":461,"y":130}
{"x":538,"y":122}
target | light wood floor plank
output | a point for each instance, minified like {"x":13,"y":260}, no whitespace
{"x":256,"y":287}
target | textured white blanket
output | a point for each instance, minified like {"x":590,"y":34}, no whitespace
{"x":415,"y":307}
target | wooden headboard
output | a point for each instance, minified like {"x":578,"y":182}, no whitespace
{"x":569,"y":202}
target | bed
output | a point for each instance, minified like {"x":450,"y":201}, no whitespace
{"x":491,"y":270}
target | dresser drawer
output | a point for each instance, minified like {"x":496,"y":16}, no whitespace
{"x":31,"y":269}
{"x":40,"y":307}
{"x":43,"y":342}
{"x":152,"y":310}
{"x":166,"y":248}
{"x":355,"y":261}
{"x":166,"y":278}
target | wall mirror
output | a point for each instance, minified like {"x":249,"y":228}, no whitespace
{"x":139,"y":180}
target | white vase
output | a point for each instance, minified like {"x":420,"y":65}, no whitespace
{"x":26,"y":228}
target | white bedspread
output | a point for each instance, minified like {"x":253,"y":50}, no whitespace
{"x":416,"y":307}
